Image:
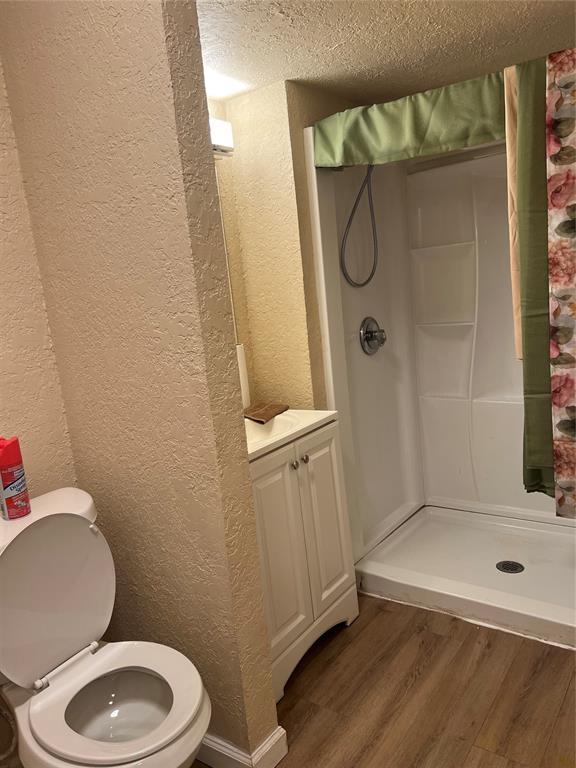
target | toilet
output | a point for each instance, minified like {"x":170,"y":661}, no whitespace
{"x":77,"y":701}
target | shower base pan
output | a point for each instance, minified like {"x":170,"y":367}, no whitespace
{"x":446,"y":560}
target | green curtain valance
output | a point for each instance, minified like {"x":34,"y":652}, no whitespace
{"x":429,"y":123}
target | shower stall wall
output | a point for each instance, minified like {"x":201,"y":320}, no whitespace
{"x":469,"y":380}
{"x":435,"y":417}
{"x":374,"y":395}
{"x":432,"y":424}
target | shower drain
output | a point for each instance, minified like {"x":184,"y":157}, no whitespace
{"x":509,"y":566}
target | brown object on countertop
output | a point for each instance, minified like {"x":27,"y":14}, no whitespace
{"x":264,"y":412}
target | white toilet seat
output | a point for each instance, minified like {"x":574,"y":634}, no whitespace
{"x":121,"y":705}
{"x":47,"y":709}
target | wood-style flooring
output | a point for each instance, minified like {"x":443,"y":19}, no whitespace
{"x":409,"y":688}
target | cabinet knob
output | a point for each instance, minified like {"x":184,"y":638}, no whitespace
{"x":295,"y":464}
{"x":305,"y":458}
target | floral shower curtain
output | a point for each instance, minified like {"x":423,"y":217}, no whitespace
{"x":561,"y":173}
{"x":541,"y":118}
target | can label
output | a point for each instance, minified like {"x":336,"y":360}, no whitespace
{"x":14,"y":499}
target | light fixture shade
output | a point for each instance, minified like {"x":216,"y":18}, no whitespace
{"x":221,"y":135}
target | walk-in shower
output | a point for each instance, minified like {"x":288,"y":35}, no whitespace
{"x":433,"y":422}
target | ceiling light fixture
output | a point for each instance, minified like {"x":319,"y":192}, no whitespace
{"x":221,"y":136}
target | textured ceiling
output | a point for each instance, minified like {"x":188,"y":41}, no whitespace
{"x":375,"y":51}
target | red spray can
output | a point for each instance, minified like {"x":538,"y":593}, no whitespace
{"x":14,"y":499}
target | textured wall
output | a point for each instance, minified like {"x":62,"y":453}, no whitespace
{"x":217,"y":108}
{"x":265,"y":207}
{"x":30,"y":396}
{"x":232,"y":224}
{"x":261,"y":219}
{"x":123,"y":207}
{"x":224,"y":400}
{"x":306,"y":105}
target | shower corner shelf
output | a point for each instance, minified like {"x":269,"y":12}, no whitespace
{"x":420,"y":249}
{"x":441,"y":323}
{"x":426,"y":396}
{"x":498,"y":399}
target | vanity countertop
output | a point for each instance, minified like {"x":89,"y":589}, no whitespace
{"x":283,"y":429}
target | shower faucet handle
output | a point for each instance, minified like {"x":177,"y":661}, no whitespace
{"x":378,"y":335}
{"x":372,"y":337}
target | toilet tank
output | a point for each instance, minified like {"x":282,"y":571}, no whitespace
{"x":72,"y":501}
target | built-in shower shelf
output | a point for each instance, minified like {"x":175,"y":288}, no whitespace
{"x":494,"y":399}
{"x":440,"y":246}
{"x":443,"y":397}
{"x":499,"y":399}
{"x":445,"y":323}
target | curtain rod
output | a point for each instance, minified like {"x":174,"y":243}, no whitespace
{"x":417,"y":165}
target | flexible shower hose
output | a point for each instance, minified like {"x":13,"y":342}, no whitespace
{"x":366,"y":184}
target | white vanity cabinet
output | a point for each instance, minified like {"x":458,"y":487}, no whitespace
{"x":287,"y":596}
{"x":305,"y":549}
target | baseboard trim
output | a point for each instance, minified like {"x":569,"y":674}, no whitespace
{"x":272,"y":750}
{"x":219,"y":753}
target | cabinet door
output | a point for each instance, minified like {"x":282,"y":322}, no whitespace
{"x":326,"y":523}
{"x":286,"y":584}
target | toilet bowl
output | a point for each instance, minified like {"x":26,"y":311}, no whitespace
{"x":77,"y":701}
